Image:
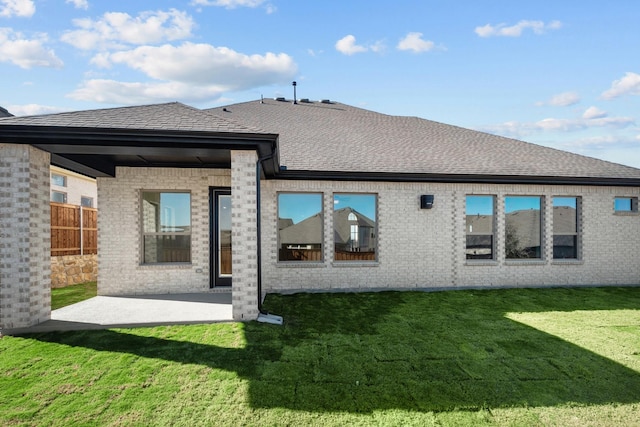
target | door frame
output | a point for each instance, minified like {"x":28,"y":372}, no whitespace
{"x":214,"y":266}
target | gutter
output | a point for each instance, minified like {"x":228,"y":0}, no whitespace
{"x":263,"y":316}
{"x":453,"y":178}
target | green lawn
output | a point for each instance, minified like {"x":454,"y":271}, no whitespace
{"x":521,"y":357}
{"x":72,"y":294}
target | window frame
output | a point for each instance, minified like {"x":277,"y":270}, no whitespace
{"x":355,"y":228}
{"x":54,"y":176}
{"x":633,"y":205}
{"x":493,"y":234}
{"x":144,"y":234}
{"x":541,"y":229}
{"x":577,"y":233}
{"x":83,"y":198}
{"x":322,"y":242}
{"x":62,"y":193}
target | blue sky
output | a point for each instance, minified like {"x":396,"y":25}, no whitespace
{"x":564,"y":74}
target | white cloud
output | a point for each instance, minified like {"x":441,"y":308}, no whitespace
{"x":415,"y":43}
{"x":628,"y":85}
{"x":79,"y":4}
{"x":594,"y":119}
{"x":132,"y":93}
{"x":564,"y":99}
{"x":24,"y":8}
{"x":26,"y":53}
{"x":189,"y":72}
{"x":232,"y":4}
{"x":116,"y":29}
{"x":348,"y":46}
{"x":502,"y":30}
{"x":33,"y":109}
{"x":203,"y":63}
{"x":594,"y":113}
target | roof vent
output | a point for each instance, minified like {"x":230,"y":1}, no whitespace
{"x":305,"y":100}
{"x":326,"y":101}
{"x":281,"y":99}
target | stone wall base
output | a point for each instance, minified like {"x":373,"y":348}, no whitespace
{"x":73,"y":269}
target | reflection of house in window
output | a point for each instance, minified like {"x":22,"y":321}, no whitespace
{"x":301,"y":241}
{"x":479,"y":236}
{"x":565,"y":227}
{"x":522,"y":230}
{"x":354,"y":235}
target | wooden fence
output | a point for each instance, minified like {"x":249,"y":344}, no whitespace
{"x":74,"y":230}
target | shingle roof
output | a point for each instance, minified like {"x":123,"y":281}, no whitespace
{"x":337,"y":137}
{"x":170,"y":116}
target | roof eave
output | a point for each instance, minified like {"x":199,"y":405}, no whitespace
{"x":454,"y":178}
{"x":49,"y":138}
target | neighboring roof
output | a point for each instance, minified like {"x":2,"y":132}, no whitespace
{"x":94,"y":142}
{"x":5,"y":113}
{"x":341,"y":141}
{"x":307,"y":231}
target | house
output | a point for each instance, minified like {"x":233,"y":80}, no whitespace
{"x":276,"y":196}
{"x":73,"y":188}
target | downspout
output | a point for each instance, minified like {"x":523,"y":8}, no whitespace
{"x":263,"y":316}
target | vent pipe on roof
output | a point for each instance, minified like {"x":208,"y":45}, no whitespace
{"x":295,"y":101}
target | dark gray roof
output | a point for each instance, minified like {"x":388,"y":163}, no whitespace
{"x":336,"y":137}
{"x":173,"y":116}
{"x":95,"y":142}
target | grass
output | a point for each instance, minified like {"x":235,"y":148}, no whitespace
{"x":61,"y":297}
{"x":520,"y":357}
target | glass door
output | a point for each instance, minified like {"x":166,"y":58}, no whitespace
{"x":221,"y":244}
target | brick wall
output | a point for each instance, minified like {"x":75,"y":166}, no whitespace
{"x":25,"y":294}
{"x":426,"y":248}
{"x":244,"y":235}
{"x":418,"y":248}
{"x":119,"y":231}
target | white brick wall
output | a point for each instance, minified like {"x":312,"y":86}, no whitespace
{"x":119,"y":231}
{"x":78,"y":186}
{"x":25,"y":240}
{"x":417,"y":248}
{"x":244,"y":235}
{"x":426,"y":248}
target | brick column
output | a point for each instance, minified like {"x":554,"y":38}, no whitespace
{"x":244,"y":234}
{"x":25,"y":239}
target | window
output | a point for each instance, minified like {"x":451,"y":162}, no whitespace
{"x":166,"y":227}
{"x":300,"y":227}
{"x":625,"y":204}
{"x":59,"y":180}
{"x":58,"y":197}
{"x":87,"y":202}
{"x":523,"y":230}
{"x":480,"y":227}
{"x":565,"y":227}
{"x":355,"y":227}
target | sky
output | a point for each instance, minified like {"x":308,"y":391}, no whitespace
{"x":563,"y":74}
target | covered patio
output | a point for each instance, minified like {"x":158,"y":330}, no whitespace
{"x":105,"y":312}
{"x":96,"y":143}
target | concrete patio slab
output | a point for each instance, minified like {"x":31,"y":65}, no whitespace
{"x":103,"y":312}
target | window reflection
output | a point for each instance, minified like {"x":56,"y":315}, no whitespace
{"x":480,"y":227}
{"x":565,"y":227}
{"x":522,"y":227}
{"x":300,"y":225}
{"x":166,"y":226}
{"x":354,"y":227}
